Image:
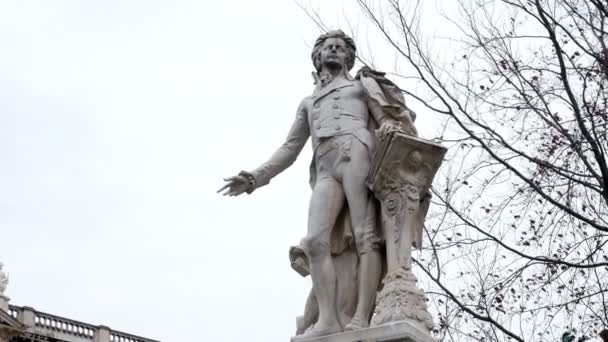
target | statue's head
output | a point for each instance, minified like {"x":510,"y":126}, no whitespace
{"x":415,"y":158}
{"x":334,"y":48}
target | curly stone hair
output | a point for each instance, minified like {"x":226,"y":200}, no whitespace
{"x":350,"y":46}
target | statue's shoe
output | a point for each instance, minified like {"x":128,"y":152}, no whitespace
{"x":318,"y":332}
{"x":356,"y":324}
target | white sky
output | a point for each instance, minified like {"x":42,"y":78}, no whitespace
{"x":118,"y":121}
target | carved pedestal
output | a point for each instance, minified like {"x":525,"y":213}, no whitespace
{"x":401,"y":175}
{"x":401,"y":300}
{"x":4,"y":300}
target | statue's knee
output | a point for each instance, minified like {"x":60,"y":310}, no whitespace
{"x":315,"y":247}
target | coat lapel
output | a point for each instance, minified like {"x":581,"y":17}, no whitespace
{"x":336,"y":84}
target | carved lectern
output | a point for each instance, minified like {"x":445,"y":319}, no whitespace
{"x":400,"y":177}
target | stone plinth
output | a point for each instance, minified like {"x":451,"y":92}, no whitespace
{"x":401,"y":331}
{"x":27,"y":317}
{"x":102,"y":334}
{"x":400,"y":300}
{"x":4,"y":300}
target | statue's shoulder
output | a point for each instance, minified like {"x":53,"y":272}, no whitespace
{"x":381,"y":89}
{"x":308,"y":98}
{"x":306,"y":102}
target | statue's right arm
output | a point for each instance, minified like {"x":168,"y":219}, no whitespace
{"x":287,"y":154}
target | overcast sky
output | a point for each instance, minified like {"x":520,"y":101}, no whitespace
{"x":118,"y":121}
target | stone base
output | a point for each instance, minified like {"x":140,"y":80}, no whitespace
{"x":4,"y":303}
{"x":401,"y":300}
{"x":402,"y":331}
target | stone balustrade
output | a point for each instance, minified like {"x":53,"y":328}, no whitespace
{"x":14,"y":312}
{"x":63,"y":326}
{"x":69,"y":330}
{"x":116,"y":336}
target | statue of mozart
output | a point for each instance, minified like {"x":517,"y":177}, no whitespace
{"x":343,"y":247}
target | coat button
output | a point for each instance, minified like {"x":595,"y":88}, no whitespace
{"x":336,"y":117}
{"x":336,"y":97}
{"x":316,"y":105}
{"x":335,"y":106}
{"x":338,"y":128}
{"x":316,"y":116}
{"x":318,"y":126}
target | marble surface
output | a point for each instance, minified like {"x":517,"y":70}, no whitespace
{"x":402,"y":331}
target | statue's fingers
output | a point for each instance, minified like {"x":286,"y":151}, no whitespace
{"x":235,"y":192}
{"x":223,"y":188}
{"x":228,"y":191}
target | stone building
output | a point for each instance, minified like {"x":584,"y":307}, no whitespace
{"x":21,"y":324}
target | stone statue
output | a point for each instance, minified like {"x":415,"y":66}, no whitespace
{"x":346,"y":118}
{"x":3,"y":280}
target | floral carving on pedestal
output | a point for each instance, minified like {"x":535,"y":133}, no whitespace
{"x":401,"y":300}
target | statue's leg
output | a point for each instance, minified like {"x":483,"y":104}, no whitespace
{"x":354,"y":176}
{"x":311,"y":314}
{"x":325,"y":204}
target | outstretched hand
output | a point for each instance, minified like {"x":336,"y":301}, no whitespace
{"x":235,"y":186}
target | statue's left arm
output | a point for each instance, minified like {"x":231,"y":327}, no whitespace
{"x":386,"y":103}
{"x":377,"y":113}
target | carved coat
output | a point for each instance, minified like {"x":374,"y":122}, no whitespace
{"x":326,"y":114}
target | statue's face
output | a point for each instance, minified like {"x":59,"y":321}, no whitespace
{"x":415,"y":159}
{"x":334,"y":53}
